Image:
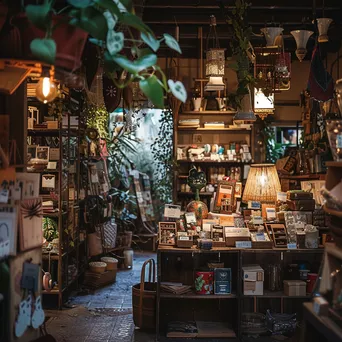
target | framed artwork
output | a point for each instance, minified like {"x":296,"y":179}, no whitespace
{"x":43,"y":153}
{"x":197,"y":138}
{"x":238,"y":190}
{"x":225,"y":195}
{"x":30,"y":224}
{"x":167,"y":233}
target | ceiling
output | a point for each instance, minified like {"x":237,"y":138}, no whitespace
{"x":163,"y":15}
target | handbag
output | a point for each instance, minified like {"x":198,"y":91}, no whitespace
{"x":280,"y":324}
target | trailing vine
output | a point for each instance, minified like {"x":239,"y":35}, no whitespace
{"x":97,"y":117}
{"x":240,"y":45}
{"x":162,"y":150}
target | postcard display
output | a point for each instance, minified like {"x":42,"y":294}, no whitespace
{"x":248,"y":261}
{"x":21,"y":239}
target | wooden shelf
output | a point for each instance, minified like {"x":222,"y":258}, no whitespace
{"x":185,"y":128}
{"x":192,"y":295}
{"x":188,"y":193}
{"x":277,"y":294}
{"x":333,"y":164}
{"x":309,"y":176}
{"x":209,"y":112}
{"x":212,"y":161}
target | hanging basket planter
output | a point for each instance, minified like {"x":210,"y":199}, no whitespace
{"x":69,"y":39}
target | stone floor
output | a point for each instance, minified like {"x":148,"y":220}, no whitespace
{"x":103,"y":315}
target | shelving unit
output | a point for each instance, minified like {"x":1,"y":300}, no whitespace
{"x":179,"y":265}
{"x":65,"y":267}
{"x":183,"y":138}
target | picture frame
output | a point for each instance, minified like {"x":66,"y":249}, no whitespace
{"x":167,"y":233}
{"x":197,"y":138}
{"x":31,"y":153}
{"x":238,"y":190}
{"x":225,"y":192}
{"x":43,"y":153}
{"x":8,"y":230}
{"x":264,"y":210}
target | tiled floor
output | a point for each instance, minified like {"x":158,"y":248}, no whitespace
{"x":103,"y":315}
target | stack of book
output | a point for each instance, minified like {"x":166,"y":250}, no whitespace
{"x":48,"y":207}
{"x":214,"y":125}
{"x":175,"y":288}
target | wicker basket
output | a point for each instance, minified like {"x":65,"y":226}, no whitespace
{"x":97,"y":267}
{"x":144,"y":298}
{"x":112,"y":263}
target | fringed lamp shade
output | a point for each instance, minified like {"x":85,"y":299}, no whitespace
{"x":262,"y":184}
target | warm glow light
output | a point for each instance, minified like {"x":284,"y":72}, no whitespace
{"x":262,"y":184}
{"x":46,"y":90}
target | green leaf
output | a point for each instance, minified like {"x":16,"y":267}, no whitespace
{"x":137,"y":65}
{"x":150,"y":40}
{"x":111,"y":19}
{"x":178,"y":90}
{"x":115,"y":42}
{"x":92,"y":21}
{"x":144,"y":52}
{"x":153,"y":90}
{"x":97,"y":42}
{"x":109,"y":5}
{"x":109,"y":64}
{"x":132,"y":20}
{"x":172,"y":43}
{"x":44,"y":49}
{"x":80,"y":3}
{"x":39,"y":15}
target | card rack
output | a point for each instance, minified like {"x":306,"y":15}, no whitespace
{"x":278,"y":234}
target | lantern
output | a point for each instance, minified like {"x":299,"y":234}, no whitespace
{"x":272,"y":35}
{"x":301,"y":37}
{"x":323,"y":26}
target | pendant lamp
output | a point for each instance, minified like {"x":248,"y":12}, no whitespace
{"x":301,"y":37}
{"x":323,"y":27}
{"x":215,"y":59}
{"x":272,"y":35}
{"x":245,"y":112}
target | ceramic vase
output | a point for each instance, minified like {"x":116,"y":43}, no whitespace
{"x":197,"y":103}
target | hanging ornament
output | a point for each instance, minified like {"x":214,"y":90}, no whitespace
{"x":323,"y":27}
{"x":111,"y":94}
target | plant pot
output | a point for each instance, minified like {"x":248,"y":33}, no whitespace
{"x":70,"y":41}
{"x":197,"y":103}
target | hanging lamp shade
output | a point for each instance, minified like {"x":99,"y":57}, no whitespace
{"x":262,"y":184}
{"x":323,"y":27}
{"x":338,"y":89}
{"x":215,"y":59}
{"x":301,"y":37}
{"x":272,"y":35}
{"x":245,"y":112}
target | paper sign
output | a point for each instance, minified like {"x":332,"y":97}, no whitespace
{"x":281,"y":196}
{"x":292,"y":246}
{"x":260,"y":237}
{"x":243,"y":244}
{"x":4,"y":193}
{"x":172,"y":211}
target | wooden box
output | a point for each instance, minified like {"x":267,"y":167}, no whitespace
{"x":181,"y":243}
{"x":262,"y":244}
{"x":230,"y":241}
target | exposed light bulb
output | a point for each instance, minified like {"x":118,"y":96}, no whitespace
{"x":46,"y":90}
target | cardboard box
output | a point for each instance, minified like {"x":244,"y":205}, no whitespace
{"x":222,"y":287}
{"x":253,"y":280}
{"x":253,"y":288}
{"x":253,"y":273}
{"x":294,"y":288}
{"x":223,"y":274}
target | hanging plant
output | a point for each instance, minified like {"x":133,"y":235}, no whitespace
{"x":162,"y":150}
{"x":114,"y":27}
{"x":240,"y":45}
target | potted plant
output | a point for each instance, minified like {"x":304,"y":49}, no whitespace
{"x":104,"y":21}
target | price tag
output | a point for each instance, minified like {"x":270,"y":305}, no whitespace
{"x":292,"y":246}
{"x":243,"y":244}
{"x":183,"y":238}
{"x":260,"y":237}
{"x":281,"y":196}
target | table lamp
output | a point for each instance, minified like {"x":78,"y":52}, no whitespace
{"x":262,"y":184}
